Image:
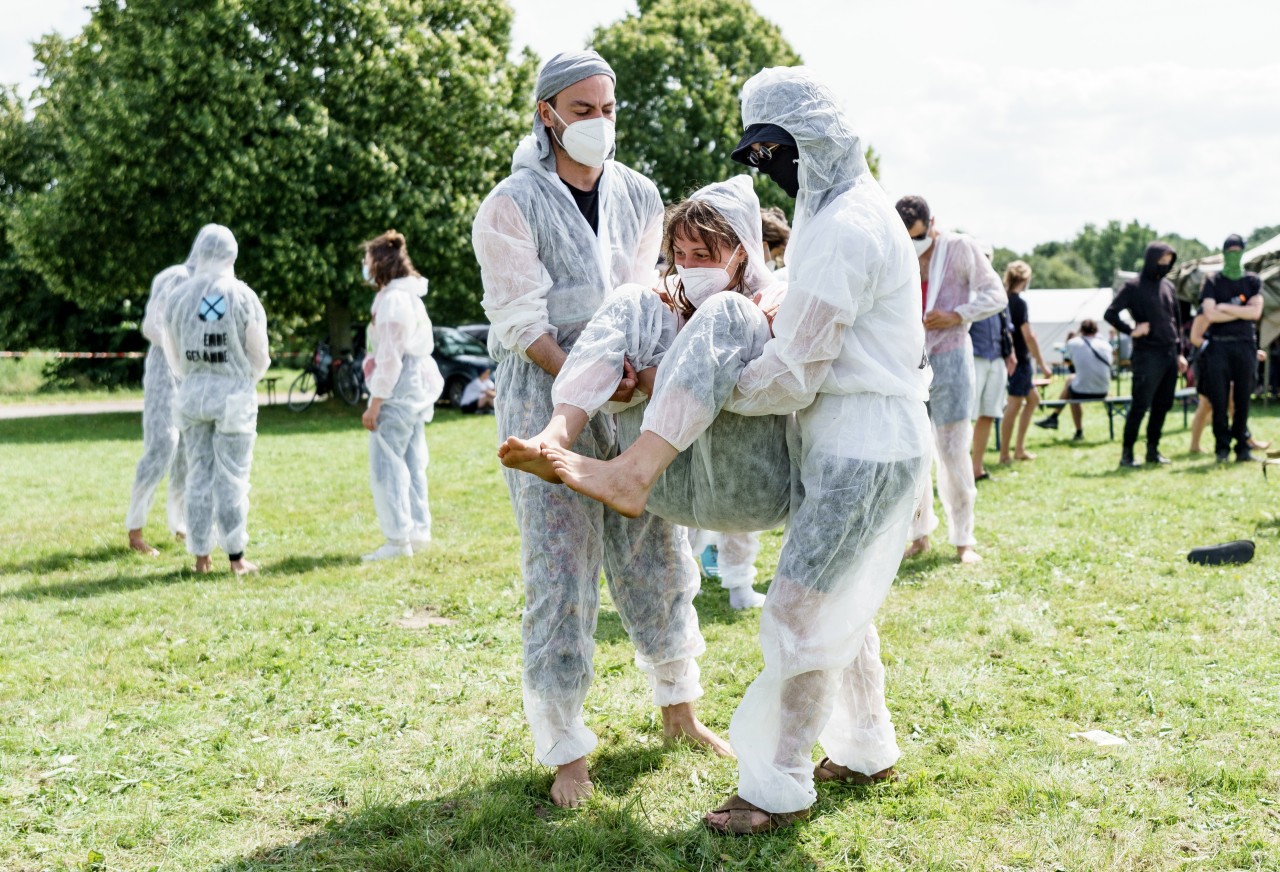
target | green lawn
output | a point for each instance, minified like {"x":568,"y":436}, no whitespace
{"x":337,"y":716}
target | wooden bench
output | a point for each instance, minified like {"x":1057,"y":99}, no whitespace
{"x":271,"y":389}
{"x":1120,"y":405}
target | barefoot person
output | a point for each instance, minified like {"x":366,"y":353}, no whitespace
{"x":216,"y":342}
{"x":1024,"y":399}
{"x":848,"y":359}
{"x":958,"y":287}
{"x":702,"y":326}
{"x":566,"y":227}
{"x":404,"y":384}
{"x":161,"y":440}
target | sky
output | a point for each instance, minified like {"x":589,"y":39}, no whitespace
{"x":1018,"y":120}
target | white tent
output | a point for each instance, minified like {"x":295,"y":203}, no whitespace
{"x":1055,"y":313}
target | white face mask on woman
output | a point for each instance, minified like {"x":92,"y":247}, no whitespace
{"x":922,"y":245}
{"x":701,"y":283}
{"x":588,"y":142}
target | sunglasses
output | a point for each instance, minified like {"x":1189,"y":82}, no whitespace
{"x":764,"y":155}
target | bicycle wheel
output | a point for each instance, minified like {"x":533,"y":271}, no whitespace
{"x":302,"y":393}
{"x":347,"y":382}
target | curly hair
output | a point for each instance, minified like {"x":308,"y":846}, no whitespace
{"x":1017,"y":273}
{"x":390,"y":258}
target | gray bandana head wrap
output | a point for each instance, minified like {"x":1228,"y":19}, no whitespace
{"x":565,"y":69}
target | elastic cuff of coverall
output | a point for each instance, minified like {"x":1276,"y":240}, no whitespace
{"x":779,"y":798}
{"x":962,"y":541}
{"x":731,"y":579}
{"x":675,"y":682}
{"x":578,"y":743}
{"x":872,"y":755}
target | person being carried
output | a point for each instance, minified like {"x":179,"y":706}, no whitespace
{"x":1092,"y":379}
{"x":685,"y":342}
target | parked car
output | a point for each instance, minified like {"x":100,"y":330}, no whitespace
{"x":479,"y":332}
{"x":460,"y":358}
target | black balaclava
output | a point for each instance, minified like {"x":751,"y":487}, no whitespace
{"x":784,"y":169}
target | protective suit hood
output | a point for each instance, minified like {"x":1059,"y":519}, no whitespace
{"x":215,"y":251}
{"x":203,"y":240}
{"x":831,"y":154}
{"x":563,"y":70}
{"x":736,"y":200}
{"x":415,"y":285}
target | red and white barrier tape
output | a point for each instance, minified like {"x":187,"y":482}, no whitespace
{"x":90,"y":355}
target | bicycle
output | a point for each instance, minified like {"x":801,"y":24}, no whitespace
{"x":325,"y":374}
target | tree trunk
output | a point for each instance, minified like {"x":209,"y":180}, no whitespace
{"x":339,"y":315}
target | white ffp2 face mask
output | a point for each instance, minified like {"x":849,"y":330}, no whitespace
{"x":589,"y":142}
{"x":702,"y":283}
{"x":922,"y":245}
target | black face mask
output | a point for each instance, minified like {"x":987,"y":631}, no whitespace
{"x":1162,"y":269}
{"x":784,"y":169}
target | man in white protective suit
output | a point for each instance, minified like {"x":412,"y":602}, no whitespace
{"x":563,"y":230}
{"x":848,"y":358}
{"x":216,"y":342}
{"x":958,"y":287}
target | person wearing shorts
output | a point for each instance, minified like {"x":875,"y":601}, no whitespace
{"x":1023,"y":397}
{"x":991,"y":375}
{"x":1092,"y":359}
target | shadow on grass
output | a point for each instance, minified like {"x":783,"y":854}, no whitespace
{"x":300,"y":565}
{"x":67,"y":559}
{"x":509,"y":823}
{"x":81,"y":588}
{"x":127,"y":426}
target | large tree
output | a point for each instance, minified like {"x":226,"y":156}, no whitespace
{"x":681,"y":65}
{"x":304,"y":125}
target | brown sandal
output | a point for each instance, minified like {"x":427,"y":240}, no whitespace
{"x":739,"y":823}
{"x":825,"y":770}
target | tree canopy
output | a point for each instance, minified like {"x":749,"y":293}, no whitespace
{"x":305,"y":127}
{"x":681,"y":65}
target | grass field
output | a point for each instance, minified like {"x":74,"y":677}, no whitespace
{"x":338,"y":716}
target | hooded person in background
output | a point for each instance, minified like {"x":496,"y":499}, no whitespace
{"x":1232,"y":302}
{"x":553,"y":239}
{"x":404,"y":384}
{"x":216,"y":343}
{"x":161,"y":440}
{"x":958,"y":287}
{"x":1157,"y":359}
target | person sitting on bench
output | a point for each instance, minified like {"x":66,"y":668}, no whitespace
{"x":1091,"y":358}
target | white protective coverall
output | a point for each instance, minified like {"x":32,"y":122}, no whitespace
{"x":545,"y":273}
{"x":216,"y":343}
{"x":736,"y":474}
{"x":161,"y":439}
{"x":961,"y":280}
{"x":848,"y":359}
{"x":401,"y":371}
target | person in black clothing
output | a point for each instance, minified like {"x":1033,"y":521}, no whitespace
{"x":1157,"y":359}
{"x":1232,"y":301}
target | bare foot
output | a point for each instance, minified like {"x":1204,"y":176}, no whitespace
{"x":680,"y":724}
{"x":1005,"y":460}
{"x":919,"y":546}
{"x":204,"y":564}
{"x":966,"y":554}
{"x":1196,"y":449}
{"x":572,"y":785}
{"x":137,"y":543}
{"x":1024,"y":455}
{"x":526,"y":456}
{"x":613,"y":484}
{"x":243,"y":567}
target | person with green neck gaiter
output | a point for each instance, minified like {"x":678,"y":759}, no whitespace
{"x":1232,"y":302}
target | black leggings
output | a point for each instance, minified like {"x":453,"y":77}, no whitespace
{"x":1155,"y":379}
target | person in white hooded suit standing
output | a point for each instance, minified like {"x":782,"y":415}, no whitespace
{"x":848,"y":358}
{"x":216,"y":343}
{"x":404,"y":384}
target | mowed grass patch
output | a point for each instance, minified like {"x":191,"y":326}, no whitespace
{"x":330,"y":714}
